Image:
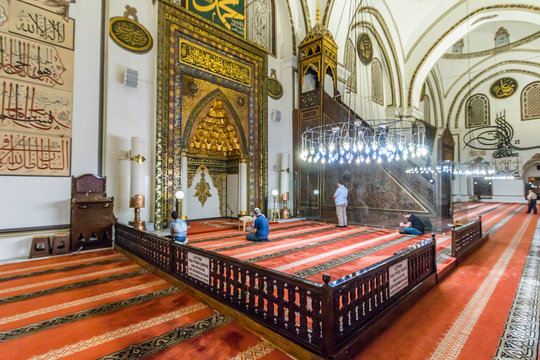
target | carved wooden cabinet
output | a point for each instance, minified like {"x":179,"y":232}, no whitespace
{"x":92,"y":215}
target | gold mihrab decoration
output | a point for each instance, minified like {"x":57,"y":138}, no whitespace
{"x":202,"y":190}
{"x":215,"y":135}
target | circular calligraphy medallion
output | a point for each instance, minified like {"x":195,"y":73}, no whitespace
{"x":130,"y":35}
{"x":365,"y":48}
{"x":503,"y":88}
{"x":275,"y":89}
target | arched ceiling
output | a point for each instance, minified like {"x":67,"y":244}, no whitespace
{"x":421,"y":31}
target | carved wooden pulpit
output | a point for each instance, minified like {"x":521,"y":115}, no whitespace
{"x":92,"y":215}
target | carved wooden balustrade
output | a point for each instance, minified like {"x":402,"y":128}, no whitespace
{"x":465,"y":237}
{"x":321,"y":318}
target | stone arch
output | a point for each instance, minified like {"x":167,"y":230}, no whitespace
{"x":423,"y":59}
{"x":200,"y":106}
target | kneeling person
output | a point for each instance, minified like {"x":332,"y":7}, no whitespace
{"x":260,"y":227}
{"x":178,"y":229}
{"x":413,"y":226}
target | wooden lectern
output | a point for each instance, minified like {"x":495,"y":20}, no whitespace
{"x":92,"y":215}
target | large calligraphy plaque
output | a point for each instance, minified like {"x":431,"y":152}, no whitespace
{"x":22,"y":154}
{"x":204,"y":59}
{"x":503,"y":88}
{"x":231,"y":14}
{"x":36,"y":90}
{"x":40,"y":24}
{"x":27,"y":60}
{"x":33,"y":108}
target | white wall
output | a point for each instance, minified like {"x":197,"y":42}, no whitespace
{"x":232,"y":194}
{"x":195,"y":209}
{"x":130,"y":112}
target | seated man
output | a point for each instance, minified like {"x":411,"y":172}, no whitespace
{"x":178,"y":229}
{"x":413,"y":226}
{"x":260,"y":226}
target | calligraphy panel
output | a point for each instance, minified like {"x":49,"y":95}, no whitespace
{"x":36,"y":90}
{"x":215,"y":63}
{"x":22,"y":154}
{"x":38,"y":63}
{"x":229,"y":14}
{"x":40,"y":24}
{"x":32,"y":108}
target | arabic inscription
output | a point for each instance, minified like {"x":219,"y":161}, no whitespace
{"x":503,"y":88}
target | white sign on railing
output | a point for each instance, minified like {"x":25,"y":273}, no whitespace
{"x":398,"y":277}
{"x":198,"y":267}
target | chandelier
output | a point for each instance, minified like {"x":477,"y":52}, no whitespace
{"x":472,"y":168}
{"x":362,"y":141}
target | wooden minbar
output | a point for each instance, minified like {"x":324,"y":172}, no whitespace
{"x":91,"y":213}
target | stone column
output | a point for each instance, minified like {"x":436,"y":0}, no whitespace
{"x":242,"y":187}
{"x":184,"y":184}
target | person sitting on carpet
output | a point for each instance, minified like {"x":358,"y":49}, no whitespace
{"x":178,"y":229}
{"x":260,"y":227}
{"x":413,"y":226}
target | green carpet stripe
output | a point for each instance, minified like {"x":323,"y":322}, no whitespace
{"x":251,"y":243}
{"x":57,"y":270}
{"x":169,"y":339}
{"x":305,"y":247}
{"x":243,"y":234}
{"x":73,"y":286}
{"x":84,"y":314}
{"x":345,"y":259}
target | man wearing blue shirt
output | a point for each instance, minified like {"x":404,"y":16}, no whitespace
{"x":340,"y":198}
{"x":260,"y":226}
{"x":178,"y":229}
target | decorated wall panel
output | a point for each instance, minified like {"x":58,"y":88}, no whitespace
{"x":199,"y":63}
{"x":36,"y":85}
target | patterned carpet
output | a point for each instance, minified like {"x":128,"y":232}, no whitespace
{"x":309,"y":249}
{"x":100,"y":305}
{"x":487,"y":308}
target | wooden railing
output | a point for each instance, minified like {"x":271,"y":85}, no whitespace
{"x":321,"y":318}
{"x":466,"y":237}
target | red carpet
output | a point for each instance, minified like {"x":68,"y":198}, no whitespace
{"x":465,"y":314}
{"x":96,"y":304}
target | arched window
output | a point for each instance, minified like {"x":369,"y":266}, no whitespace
{"x":530,"y":101}
{"x":502,"y":37}
{"x":262,"y":24}
{"x":350,"y":65}
{"x":477,"y":111}
{"x":377,"y":91}
{"x":427,"y":110}
{"x":457,"y":49}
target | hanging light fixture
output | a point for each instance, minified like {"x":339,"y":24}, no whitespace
{"x":363,"y":141}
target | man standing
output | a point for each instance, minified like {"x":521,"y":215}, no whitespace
{"x":340,"y":198}
{"x":260,"y":227}
{"x":413,"y":226}
{"x":531,"y":198}
{"x":178,"y":229}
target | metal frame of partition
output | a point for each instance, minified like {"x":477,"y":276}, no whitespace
{"x":322,"y":318}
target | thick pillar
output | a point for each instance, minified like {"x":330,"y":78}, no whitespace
{"x":242,"y":188}
{"x":183,"y":183}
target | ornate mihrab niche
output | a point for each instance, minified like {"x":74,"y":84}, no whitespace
{"x":199,"y":63}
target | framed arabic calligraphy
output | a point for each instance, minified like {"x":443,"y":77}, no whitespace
{"x":503,"y":88}
{"x":230,"y":14}
{"x":365,"y":48}
{"x":36,"y":90}
{"x":129,"y":34}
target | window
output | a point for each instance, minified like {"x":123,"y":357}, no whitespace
{"x":477,"y":111}
{"x":457,"y":49}
{"x":350,"y":65}
{"x":502,"y":37}
{"x":377,"y":92}
{"x":261,"y":24}
{"x":530,"y":101}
